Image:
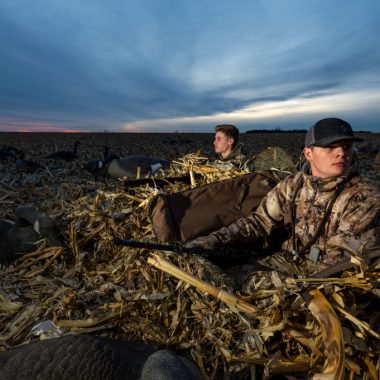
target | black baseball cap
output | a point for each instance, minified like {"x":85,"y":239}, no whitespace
{"x":328,"y":131}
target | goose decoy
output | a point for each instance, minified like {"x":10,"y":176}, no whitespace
{"x":95,"y":168}
{"x":20,"y":236}
{"x":106,"y":152}
{"x":7,"y":152}
{"x":109,"y":156}
{"x":85,"y":356}
{"x":98,"y":168}
{"x":131,"y":166}
{"x":4,"y":155}
{"x":26,"y":166}
{"x":66,"y":155}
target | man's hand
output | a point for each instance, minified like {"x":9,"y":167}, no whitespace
{"x":206,"y":242}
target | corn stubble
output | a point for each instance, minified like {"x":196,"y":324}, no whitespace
{"x":326,"y":328}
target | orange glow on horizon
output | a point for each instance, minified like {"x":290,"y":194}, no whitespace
{"x":46,"y":131}
{"x":21,"y":125}
{"x":73,"y":131}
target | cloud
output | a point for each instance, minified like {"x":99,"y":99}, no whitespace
{"x":72,"y":66}
{"x":289,"y":114}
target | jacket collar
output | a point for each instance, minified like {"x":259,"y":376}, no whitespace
{"x":330,"y":183}
{"x":234,"y":152}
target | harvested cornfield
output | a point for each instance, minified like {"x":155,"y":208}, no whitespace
{"x":296,"y":327}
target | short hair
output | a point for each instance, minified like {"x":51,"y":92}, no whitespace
{"x":230,"y":131}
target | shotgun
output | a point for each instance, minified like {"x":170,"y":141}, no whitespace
{"x":226,"y":256}
{"x":223,"y":253}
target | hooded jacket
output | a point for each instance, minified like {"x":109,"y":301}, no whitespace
{"x":349,"y":228}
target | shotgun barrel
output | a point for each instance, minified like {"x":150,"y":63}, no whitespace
{"x":222,"y":253}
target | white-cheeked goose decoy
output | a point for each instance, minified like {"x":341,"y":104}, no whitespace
{"x":131,"y":166}
{"x":83,"y":356}
{"x":64,"y":155}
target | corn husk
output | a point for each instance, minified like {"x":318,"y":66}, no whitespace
{"x":90,"y":285}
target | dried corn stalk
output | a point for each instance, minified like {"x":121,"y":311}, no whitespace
{"x":90,"y":285}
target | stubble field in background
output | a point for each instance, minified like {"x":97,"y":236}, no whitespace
{"x":169,"y":146}
{"x":160,"y":145}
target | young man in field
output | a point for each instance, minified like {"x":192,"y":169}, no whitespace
{"x":226,"y":145}
{"x":330,"y":210}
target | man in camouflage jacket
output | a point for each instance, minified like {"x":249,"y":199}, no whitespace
{"x":227,"y":148}
{"x":331,"y":210}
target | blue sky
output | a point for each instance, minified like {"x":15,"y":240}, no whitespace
{"x":180,"y":65}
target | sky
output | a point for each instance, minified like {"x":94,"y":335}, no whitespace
{"x":186,"y":66}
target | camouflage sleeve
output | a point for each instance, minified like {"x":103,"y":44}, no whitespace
{"x":260,"y":223}
{"x":359,"y":229}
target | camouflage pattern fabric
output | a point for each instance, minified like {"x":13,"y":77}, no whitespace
{"x":351,"y":228}
{"x":238,"y":158}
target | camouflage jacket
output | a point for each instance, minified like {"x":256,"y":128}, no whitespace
{"x":237,"y":157}
{"x":351,"y":227}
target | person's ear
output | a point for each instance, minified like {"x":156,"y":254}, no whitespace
{"x":308,"y":153}
{"x":230,"y":141}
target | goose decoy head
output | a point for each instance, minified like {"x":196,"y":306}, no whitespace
{"x":27,"y":166}
{"x":43,"y":225}
{"x":7,"y":152}
{"x":28,"y":228}
{"x":111,"y":157}
{"x":97,"y":168}
{"x":66,"y":155}
{"x":106,"y":152}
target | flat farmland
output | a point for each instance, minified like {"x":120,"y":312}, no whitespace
{"x":160,"y":145}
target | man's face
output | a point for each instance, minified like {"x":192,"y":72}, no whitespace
{"x":331,"y":161}
{"x":223,"y":144}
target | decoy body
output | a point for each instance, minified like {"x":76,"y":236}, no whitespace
{"x":131,"y":166}
{"x":26,"y":166}
{"x":95,"y":358}
{"x":7,"y":152}
{"x":97,"y":167}
{"x":20,"y":236}
{"x":66,"y":155}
